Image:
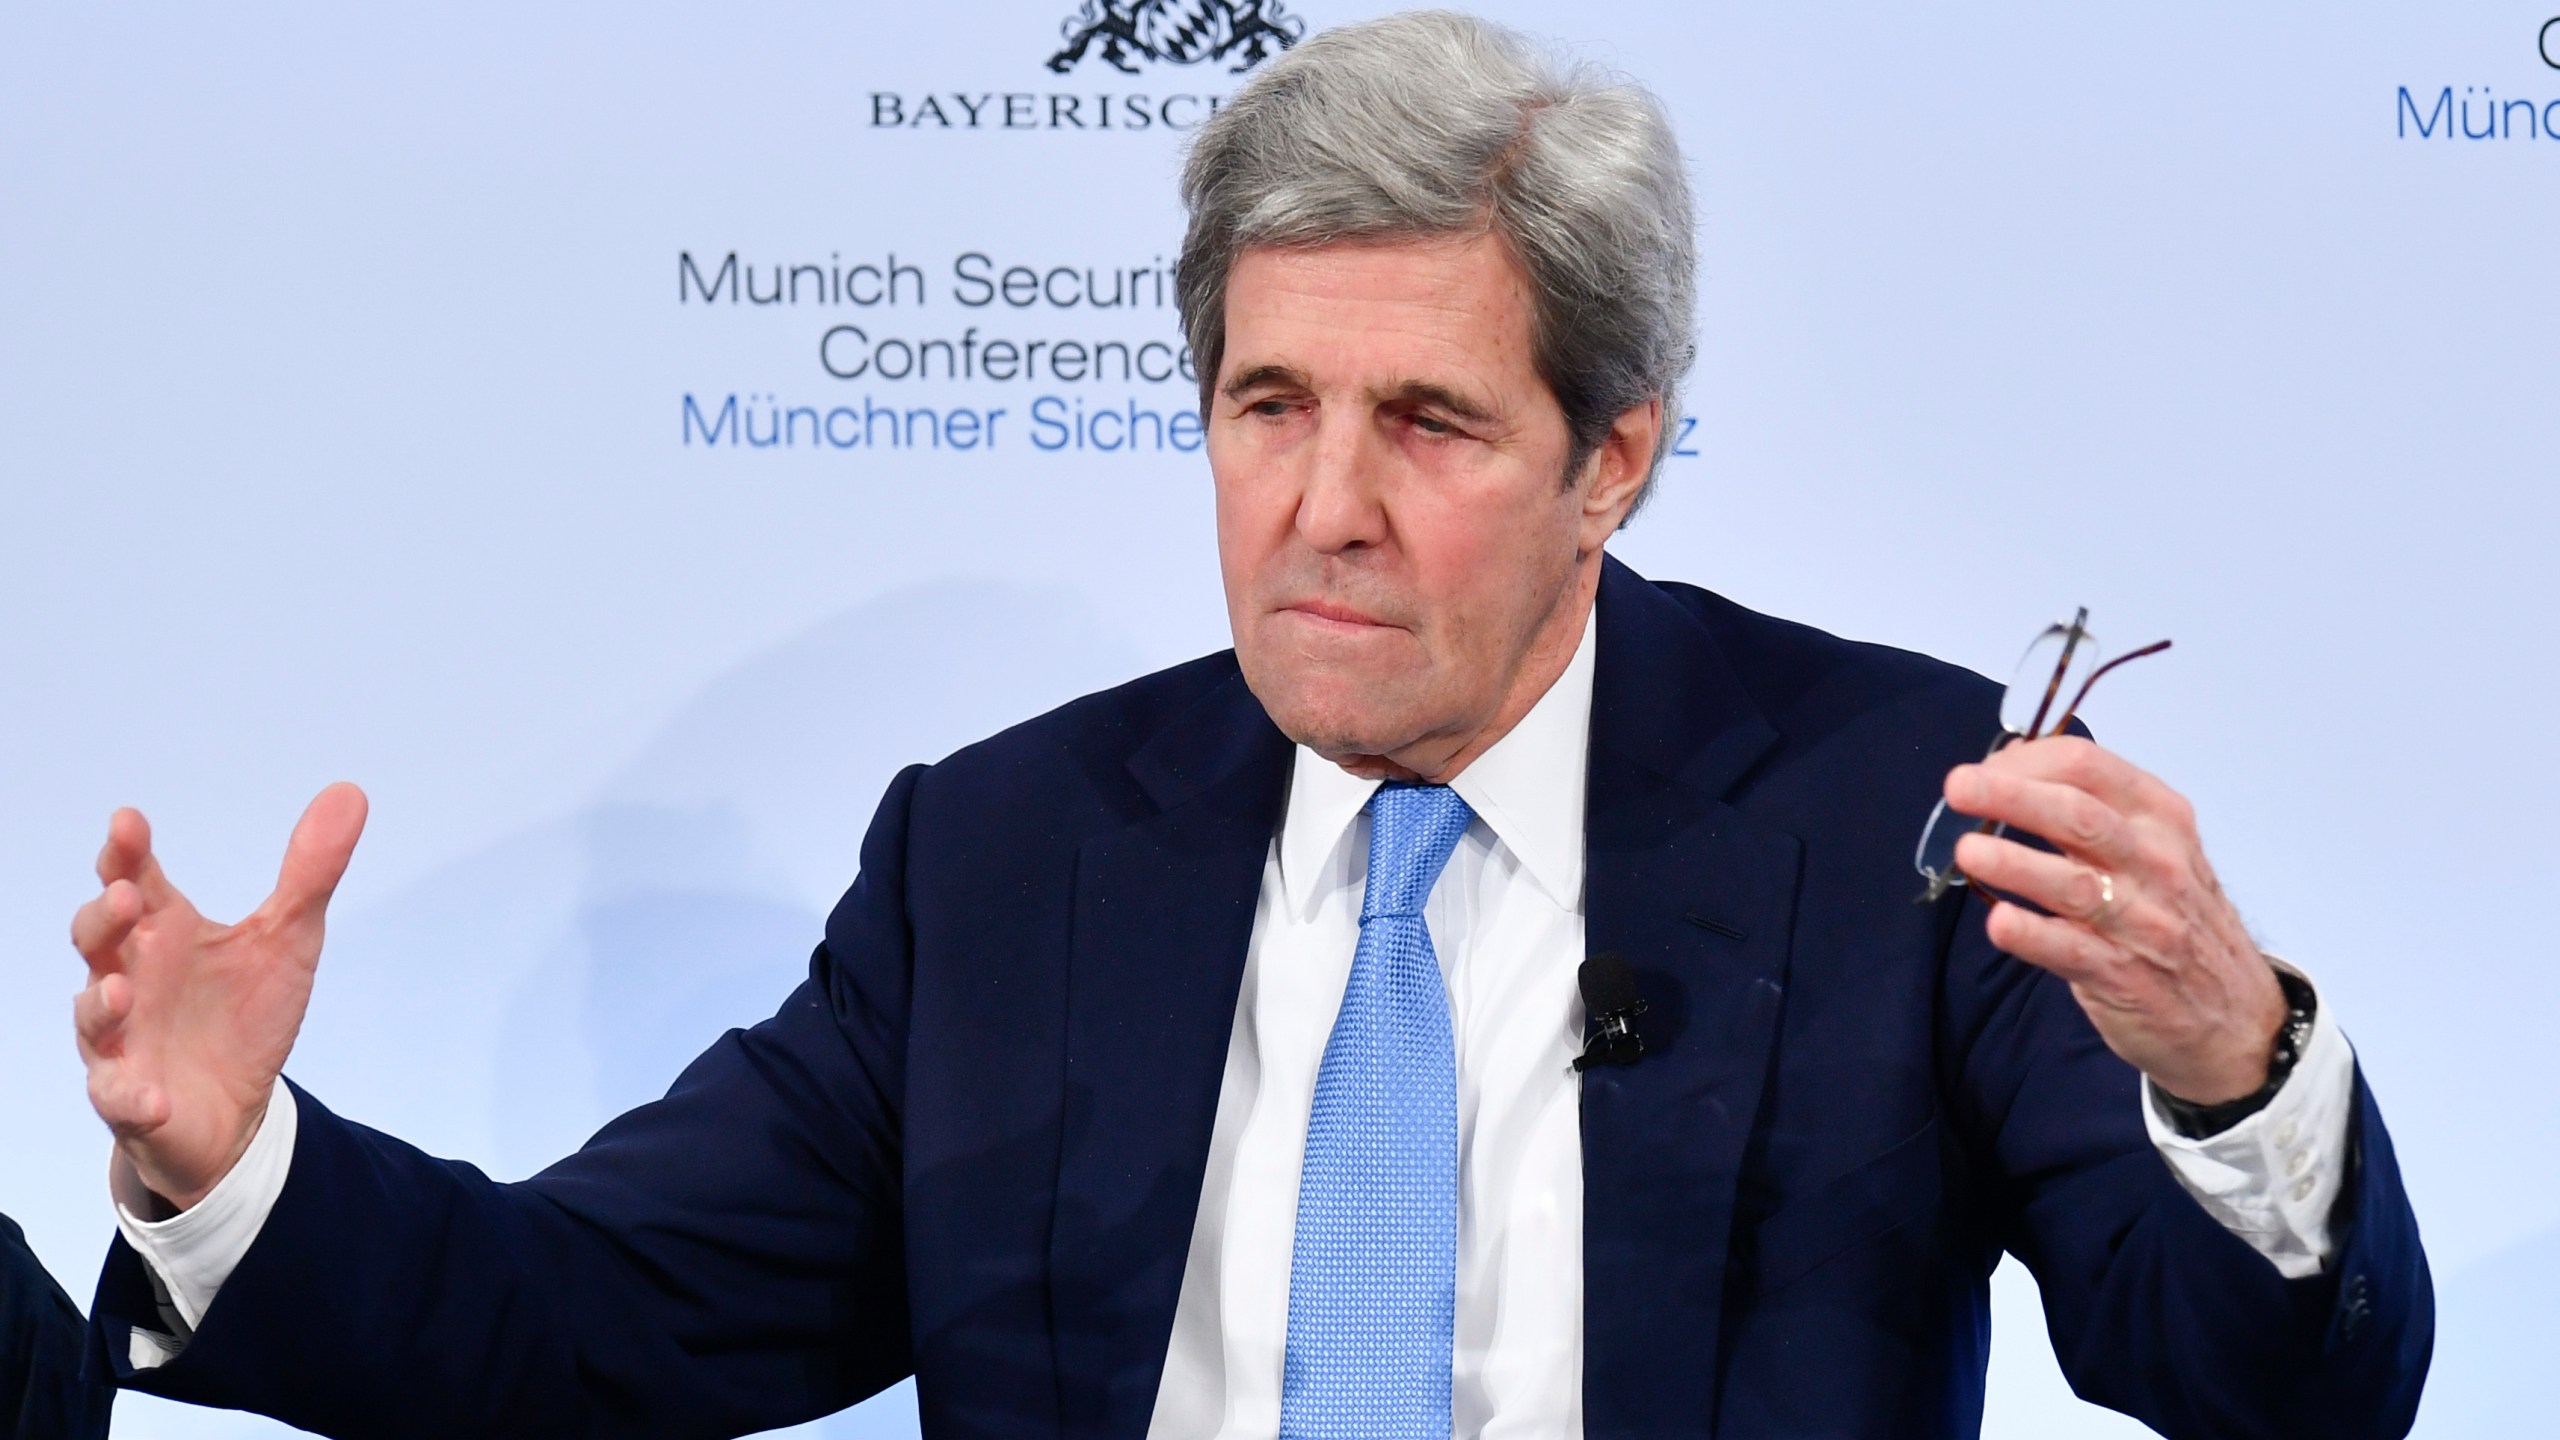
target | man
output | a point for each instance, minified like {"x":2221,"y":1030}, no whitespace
{"x":1197,"y":1060}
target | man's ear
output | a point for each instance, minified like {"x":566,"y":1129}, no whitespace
{"x":1616,"y":472}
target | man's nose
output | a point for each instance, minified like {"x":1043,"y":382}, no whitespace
{"x":1341,"y":507}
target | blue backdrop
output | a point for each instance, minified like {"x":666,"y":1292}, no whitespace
{"x":365,"y":420}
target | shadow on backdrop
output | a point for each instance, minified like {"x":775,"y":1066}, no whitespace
{"x":2497,"y":1325}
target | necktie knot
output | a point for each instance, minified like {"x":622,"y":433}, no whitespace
{"x":1412,"y":829}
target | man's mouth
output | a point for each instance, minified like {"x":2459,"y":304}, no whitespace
{"x":1334,"y":612}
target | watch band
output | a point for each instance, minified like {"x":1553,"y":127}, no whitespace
{"x":2200,"y":1122}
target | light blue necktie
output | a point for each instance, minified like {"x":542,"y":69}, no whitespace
{"x":1373,"y":1279}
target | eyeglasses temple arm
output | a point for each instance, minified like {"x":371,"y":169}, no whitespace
{"x":2074,"y":708}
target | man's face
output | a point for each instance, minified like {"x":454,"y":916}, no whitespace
{"x":1406,"y":568}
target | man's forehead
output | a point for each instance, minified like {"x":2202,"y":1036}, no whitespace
{"x":1467,"y":270}
{"x":1385,"y":315}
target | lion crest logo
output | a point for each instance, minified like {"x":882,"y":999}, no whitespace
{"x":1178,"y":32}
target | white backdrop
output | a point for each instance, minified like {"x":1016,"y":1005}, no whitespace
{"x":343,"y":378}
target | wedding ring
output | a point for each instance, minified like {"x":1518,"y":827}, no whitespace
{"x":2106,"y":896}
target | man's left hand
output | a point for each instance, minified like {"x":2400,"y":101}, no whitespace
{"x":2139,"y":927}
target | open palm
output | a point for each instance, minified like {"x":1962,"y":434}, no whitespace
{"x":185,"y":1023}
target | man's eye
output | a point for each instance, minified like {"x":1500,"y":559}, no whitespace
{"x":1433,"y":425}
{"x":1272,"y":408}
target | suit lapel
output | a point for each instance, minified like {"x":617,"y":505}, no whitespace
{"x":1163,"y":914}
{"x":1700,"y":900}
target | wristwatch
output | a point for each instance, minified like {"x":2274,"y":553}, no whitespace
{"x":2199,"y":1122}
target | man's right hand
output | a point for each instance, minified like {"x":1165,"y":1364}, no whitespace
{"x":185,"y":1023}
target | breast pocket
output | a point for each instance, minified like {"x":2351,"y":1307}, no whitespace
{"x":1898,"y":1186}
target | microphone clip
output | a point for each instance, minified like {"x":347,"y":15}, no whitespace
{"x":1610,"y":1001}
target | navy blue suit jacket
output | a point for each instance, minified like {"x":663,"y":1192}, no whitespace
{"x":970,"y":1147}
{"x":47,"y":1392}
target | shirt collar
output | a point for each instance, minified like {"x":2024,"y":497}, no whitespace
{"x":1528,"y":789}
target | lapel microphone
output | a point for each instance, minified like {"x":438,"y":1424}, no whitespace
{"x":1610,"y":1001}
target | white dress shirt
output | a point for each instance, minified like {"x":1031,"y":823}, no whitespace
{"x":1506,"y":921}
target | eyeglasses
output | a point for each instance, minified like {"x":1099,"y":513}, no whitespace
{"x":2062,"y":660}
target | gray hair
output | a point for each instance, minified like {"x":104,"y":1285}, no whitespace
{"x":1434,"y":124}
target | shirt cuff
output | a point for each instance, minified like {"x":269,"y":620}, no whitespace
{"x":2272,"y":1178}
{"x":192,"y":1253}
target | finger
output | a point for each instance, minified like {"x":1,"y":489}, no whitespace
{"x":2086,"y":765}
{"x":127,"y":856}
{"x":98,"y":1014}
{"x":2058,"y":883}
{"x":129,"y":1104}
{"x":100,"y":926}
{"x":2048,"y":942}
{"x":2080,"y":823}
{"x":315,"y":859}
